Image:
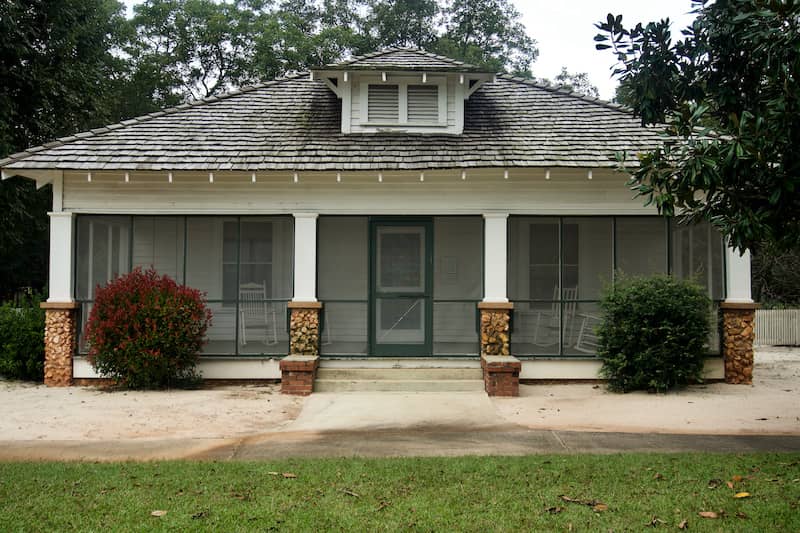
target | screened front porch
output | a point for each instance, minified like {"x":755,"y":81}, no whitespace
{"x":397,"y":286}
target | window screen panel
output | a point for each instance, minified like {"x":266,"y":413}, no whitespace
{"x":342,"y":261}
{"x":383,"y":103}
{"x":211,"y":255}
{"x":262,"y":328}
{"x":455,"y":328}
{"x":536,"y":328}
{"x":697,"y":253}
{"x":158,"y":243}
{"x":265,"y":255}
{"x":344,"y":330}
{"x":423,"y":103}
{"x":641,"y":245}
{"x":103,"y":252}
{"x":458,"y":258}
{"x":586,"y":257}
{"x":221,"y":335}
{"x":580,"y":324}
{"x":533,"y":265}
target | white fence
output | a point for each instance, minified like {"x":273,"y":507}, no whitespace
{"x":777,"y":327}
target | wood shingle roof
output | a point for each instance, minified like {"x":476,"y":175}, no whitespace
{"x":295,"y":124}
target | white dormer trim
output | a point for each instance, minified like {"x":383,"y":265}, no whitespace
{"x":352,"y":88}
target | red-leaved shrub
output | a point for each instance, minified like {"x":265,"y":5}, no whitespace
{"x":146,"y":330}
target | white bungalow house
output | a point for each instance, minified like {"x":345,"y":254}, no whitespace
{"x":397,"y":210}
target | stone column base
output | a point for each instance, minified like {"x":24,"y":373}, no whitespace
{"x":304,"y":328}
{"x":738,"y":334}
{"x":60,"y":342}
{"x":501,"y":375}
{"x":495,"y":319}
{"x":298,"y":373}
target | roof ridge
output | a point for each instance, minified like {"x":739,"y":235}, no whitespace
{"x":560,"y":89}
{"x":95,"y":132}
{"x":390,"y":49}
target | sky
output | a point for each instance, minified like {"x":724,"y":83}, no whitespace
{"x":564,"y":31}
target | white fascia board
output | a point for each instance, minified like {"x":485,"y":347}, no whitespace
{"x":41,"y":176}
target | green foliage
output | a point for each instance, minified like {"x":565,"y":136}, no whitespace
{"x":145,"y":331}
{"x":22,"y":340}
{"x":55,"y":62}
{"x":487,"y":33}
{"x":58,"y":77}
{"x":576,"y":81}
{"x":776,"y":276}
{"x":728,"y":96}
{"x":654,"y":333}
{"x":23,"y":239}
{"x":401,"y":23}
{"x":200,"y":47}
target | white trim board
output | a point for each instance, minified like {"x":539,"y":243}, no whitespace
{"x":590,"y":369}
{"x":268,"y":368}
{"x":209,"y":367}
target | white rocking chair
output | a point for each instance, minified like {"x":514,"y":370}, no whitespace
{"x":588,"y":340}
{"x":548,"y":322}
{"x":255,"y":311}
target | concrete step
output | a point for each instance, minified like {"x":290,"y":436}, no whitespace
{"x":399,"y":362}
{"x":414,"y":374}
{"x":398,"y":385}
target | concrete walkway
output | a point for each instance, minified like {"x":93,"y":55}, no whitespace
{"x":419,"y":442}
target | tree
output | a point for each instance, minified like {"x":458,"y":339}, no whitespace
{"x":200,"y":47}
{"x":578,"y":82}
{"x":59,"y":76}
{"x":301,"y":34}
{"x":487,"y":33}
{"x":727,"y":96}
{"x":401,"y":23}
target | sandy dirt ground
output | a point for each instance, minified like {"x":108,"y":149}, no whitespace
{"x":770,"y":406}
{"x":34,"y":412}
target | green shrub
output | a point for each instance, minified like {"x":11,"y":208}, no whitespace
{"x":145,"y":331}
{"x":22,"y":340}
{"x":654,"y":333}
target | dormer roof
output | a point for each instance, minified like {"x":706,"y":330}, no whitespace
{"x":400,"y":59}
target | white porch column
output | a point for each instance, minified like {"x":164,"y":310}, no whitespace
{"x":305,"y":257}
{"x":737,"y":276}
{"x":495,"y":246}
{"x":61,"y":257}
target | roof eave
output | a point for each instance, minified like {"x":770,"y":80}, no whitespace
{"x":42,"y":176}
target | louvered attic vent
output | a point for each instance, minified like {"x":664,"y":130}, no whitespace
{"x":423,"y":103}
{"x":384,"y":103}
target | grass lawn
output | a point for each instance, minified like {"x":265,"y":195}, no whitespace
{"x":619,"y":492}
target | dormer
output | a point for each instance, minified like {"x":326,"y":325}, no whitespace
{"x":403,"y":90}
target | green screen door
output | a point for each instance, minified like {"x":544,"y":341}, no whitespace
{"x":401,"y":305}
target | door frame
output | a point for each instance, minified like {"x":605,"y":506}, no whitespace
{"x":401,"y":350}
